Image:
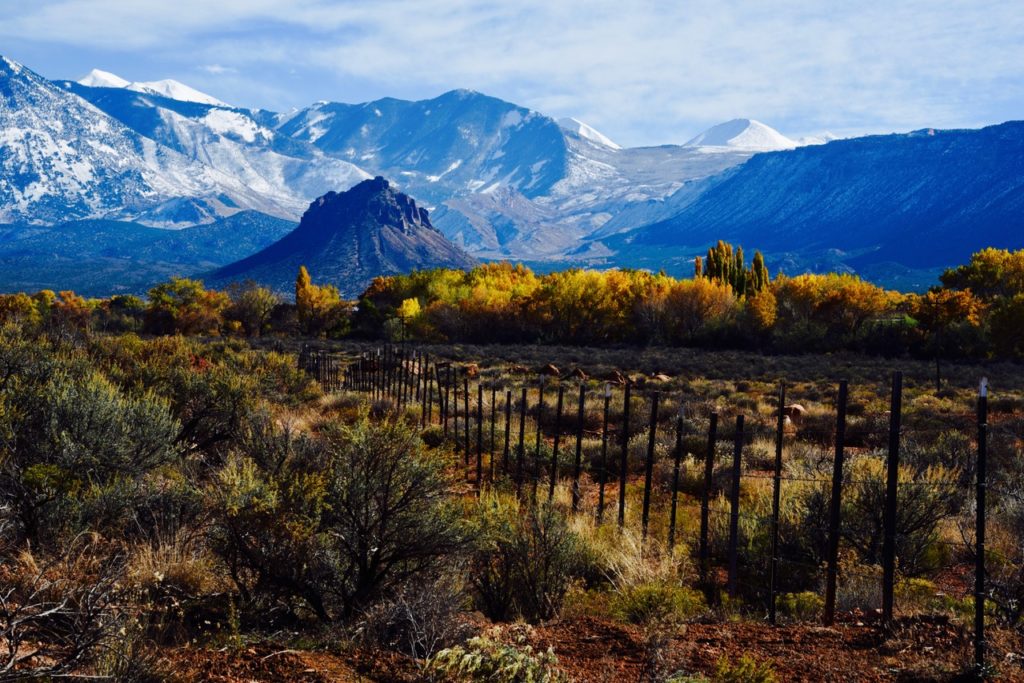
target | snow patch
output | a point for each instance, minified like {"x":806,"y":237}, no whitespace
{"x":227,"y":122}
{"x":577,"y":127}
{"x":175,"y":90}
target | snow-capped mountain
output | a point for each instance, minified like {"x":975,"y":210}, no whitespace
{"x":168,"y":87}
{"x":502,"y":181}
{"x":742,"y":134}
{"x":232,"y":141}
{"x":61,"y":158}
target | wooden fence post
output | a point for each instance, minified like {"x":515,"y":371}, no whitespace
{"x":675,"y":480}
{"x":465,"y":403}
{"x":521,"y":451}
{"x":604,"y":454}
{"x":705,"y":498}
{"x":624,"y":465}
{"x":891,"y":494}
{"x":537,"y":466}
{"x":979,"y":531}
{"x":558,"y":440}
{"x":652,"y":433}
{"x":479,"y":436}
{"x":494,"y":418}
{"x":835,"y":508}
{"x":773,"y":571}
{"x":578,"y":461}
{"x":734,"y":508}
{"x":508,"y":431}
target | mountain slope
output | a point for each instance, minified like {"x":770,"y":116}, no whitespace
{"x":61,"y":158}
{"x":232,"y":141}
{"x":922,"y":200}
{"x":348,"y":238}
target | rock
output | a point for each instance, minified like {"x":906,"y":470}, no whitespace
{"x":519,"y":370}
{"x":549,"y":370}
{"x":615,"y":377}
{"x":661,"y":378}
{"x":795,"y":412}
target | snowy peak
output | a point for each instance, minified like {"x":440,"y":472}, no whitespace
{"x":98,"y":78}
{"x":175,"y":90}
{"x":582,"y":130}
{"x":743,"y":134}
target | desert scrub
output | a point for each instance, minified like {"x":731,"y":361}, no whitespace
{"x":657,"y":602}
{"x":805,"y":606}
{"x":523,"y":557}
{"x":487,"y":658}
{"x":744,"y":670}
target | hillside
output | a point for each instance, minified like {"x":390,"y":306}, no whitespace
{"x":349,"y":238}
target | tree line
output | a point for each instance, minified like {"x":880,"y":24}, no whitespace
{"x":976,"y":311}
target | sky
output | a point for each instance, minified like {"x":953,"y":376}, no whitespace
{"x":642,"y":72}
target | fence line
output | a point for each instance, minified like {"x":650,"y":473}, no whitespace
{"x":411,"y":379}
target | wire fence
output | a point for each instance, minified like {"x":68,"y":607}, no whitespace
{"x":849,"y":513}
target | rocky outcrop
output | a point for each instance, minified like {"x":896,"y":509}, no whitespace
{"x":349,"y":238}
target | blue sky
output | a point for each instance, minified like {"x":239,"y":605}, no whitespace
{"x":642,"y":72}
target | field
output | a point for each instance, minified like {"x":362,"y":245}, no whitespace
{"x":208,"y":510}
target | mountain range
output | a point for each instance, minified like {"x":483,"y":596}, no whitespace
{"x":500,"y":181}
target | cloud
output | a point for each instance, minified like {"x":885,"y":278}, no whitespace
{"x":640,"y":70}
{"x":218,"y":69}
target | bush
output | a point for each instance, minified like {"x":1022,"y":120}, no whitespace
{"x":657,"y":603}
{"x":486,"y":658}
{"x":805,"y":606}
{"x":745,"y":670}
{"x":333,"y":521}
{"x":524,"y":558}
{"x":77,"y":450}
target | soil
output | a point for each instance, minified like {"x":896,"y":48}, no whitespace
{"x":601,"y":651}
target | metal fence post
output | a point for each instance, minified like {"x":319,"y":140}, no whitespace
{"x":891,"y":493}
{"x":835,"y":508}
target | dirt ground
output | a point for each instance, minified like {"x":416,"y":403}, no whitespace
{"x":594,"y":650}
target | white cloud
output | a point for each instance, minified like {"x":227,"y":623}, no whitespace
{"x":218,"y":69}
{"x":640,"y":70}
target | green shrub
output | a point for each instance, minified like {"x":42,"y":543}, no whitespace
{"x":333,"y":521}
{"x":805,"y":606}
{"x":524,"y":558}
{"x":658,"y":602}
{"x":485,"y":658}
{"x":745,"y":670}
